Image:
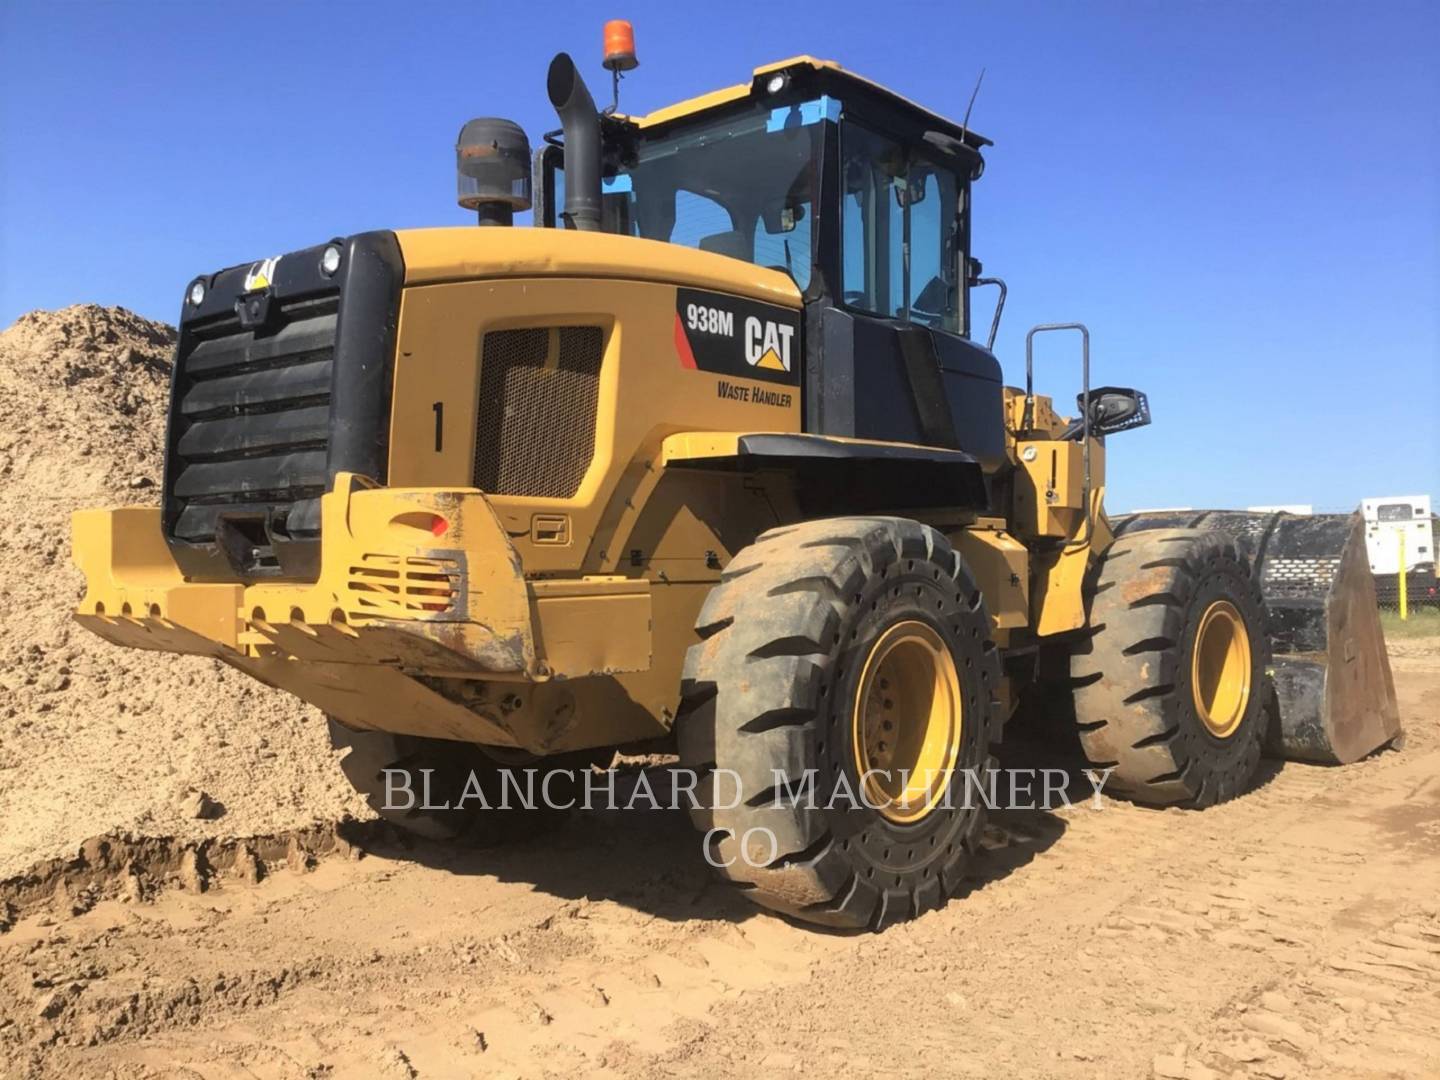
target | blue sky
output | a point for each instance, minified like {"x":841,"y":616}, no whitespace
{"x":1240,"y":199}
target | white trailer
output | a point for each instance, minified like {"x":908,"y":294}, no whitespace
{"x":1396,"y":527}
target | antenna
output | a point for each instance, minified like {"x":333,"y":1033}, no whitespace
{"x":965,"y":124}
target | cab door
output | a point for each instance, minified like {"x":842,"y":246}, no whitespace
{"x":893,"y":361}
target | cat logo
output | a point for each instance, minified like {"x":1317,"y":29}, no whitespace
{"x":767,"y":344}
{"x":737,"y":337}
{"x":261,"y":275}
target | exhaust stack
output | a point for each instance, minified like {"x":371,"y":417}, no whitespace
{"x":581,"y":124}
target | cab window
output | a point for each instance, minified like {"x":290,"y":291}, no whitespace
{"x":899,"y":232}
{"x":742,"y":186}
{"x":697,"y":219}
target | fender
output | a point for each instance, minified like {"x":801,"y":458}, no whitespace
{"x":859,"y":475}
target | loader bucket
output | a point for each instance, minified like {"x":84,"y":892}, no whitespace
{"x":1334,"y":696}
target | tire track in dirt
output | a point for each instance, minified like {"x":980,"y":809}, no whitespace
{"x":1124,"y":942}
{"x":136,"y":867}
{"x":1369,"y":1009}
{"x":1148,"y":924}
{"x":539,"y":973}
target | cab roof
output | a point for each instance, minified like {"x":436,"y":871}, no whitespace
{"x":829,"y":77}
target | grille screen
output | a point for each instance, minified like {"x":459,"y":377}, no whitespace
{"x":405,"y":586}
{"x":1300,"y":578}
{"x":535,"y":430}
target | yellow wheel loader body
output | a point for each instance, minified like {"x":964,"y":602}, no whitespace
{"x":503,"y":487}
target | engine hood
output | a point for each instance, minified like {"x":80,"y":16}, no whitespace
{"x":432,"y":256}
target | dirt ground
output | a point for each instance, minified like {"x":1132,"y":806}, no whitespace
{"x":1293,"y":933}
{"x":94,"y":738}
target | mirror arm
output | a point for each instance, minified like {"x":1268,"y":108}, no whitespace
{"x":999,"y":307}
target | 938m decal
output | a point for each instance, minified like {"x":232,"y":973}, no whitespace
{"x":727,"y":335}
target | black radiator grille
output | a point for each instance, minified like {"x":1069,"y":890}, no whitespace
{"x":281,"y":384}
{"x":251,"y":426}
{"x":535,"y":428}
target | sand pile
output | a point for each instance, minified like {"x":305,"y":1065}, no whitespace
{"x":92,"y":737}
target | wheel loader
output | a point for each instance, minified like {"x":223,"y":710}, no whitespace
{"x":711,"y":460}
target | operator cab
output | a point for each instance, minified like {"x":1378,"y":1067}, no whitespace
{"x":860,"y":196}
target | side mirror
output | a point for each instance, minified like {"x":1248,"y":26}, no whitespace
{"x":782,"y":217}
{"x":1115,"y":408}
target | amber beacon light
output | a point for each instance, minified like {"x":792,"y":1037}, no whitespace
{"x":620,"y":46}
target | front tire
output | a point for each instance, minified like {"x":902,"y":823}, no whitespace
{"x":1170,"y":685}
{"x":854,"y":652}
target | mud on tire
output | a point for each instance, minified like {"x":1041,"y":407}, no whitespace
{"x":770,"y":689}
{"x":1137,"y":706}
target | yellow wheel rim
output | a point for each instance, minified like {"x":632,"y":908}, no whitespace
{"x":1220,"y":669}
{"x":907,"y":722}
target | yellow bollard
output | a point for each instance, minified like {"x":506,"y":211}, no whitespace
{"x":1403,"y":614}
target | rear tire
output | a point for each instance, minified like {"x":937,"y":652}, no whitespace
{"x":443,"y":768}
{"x":1169,"y":688}
{"x":807,"y":622}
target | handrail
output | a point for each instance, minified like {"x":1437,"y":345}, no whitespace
{"x":1029,"y":415}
